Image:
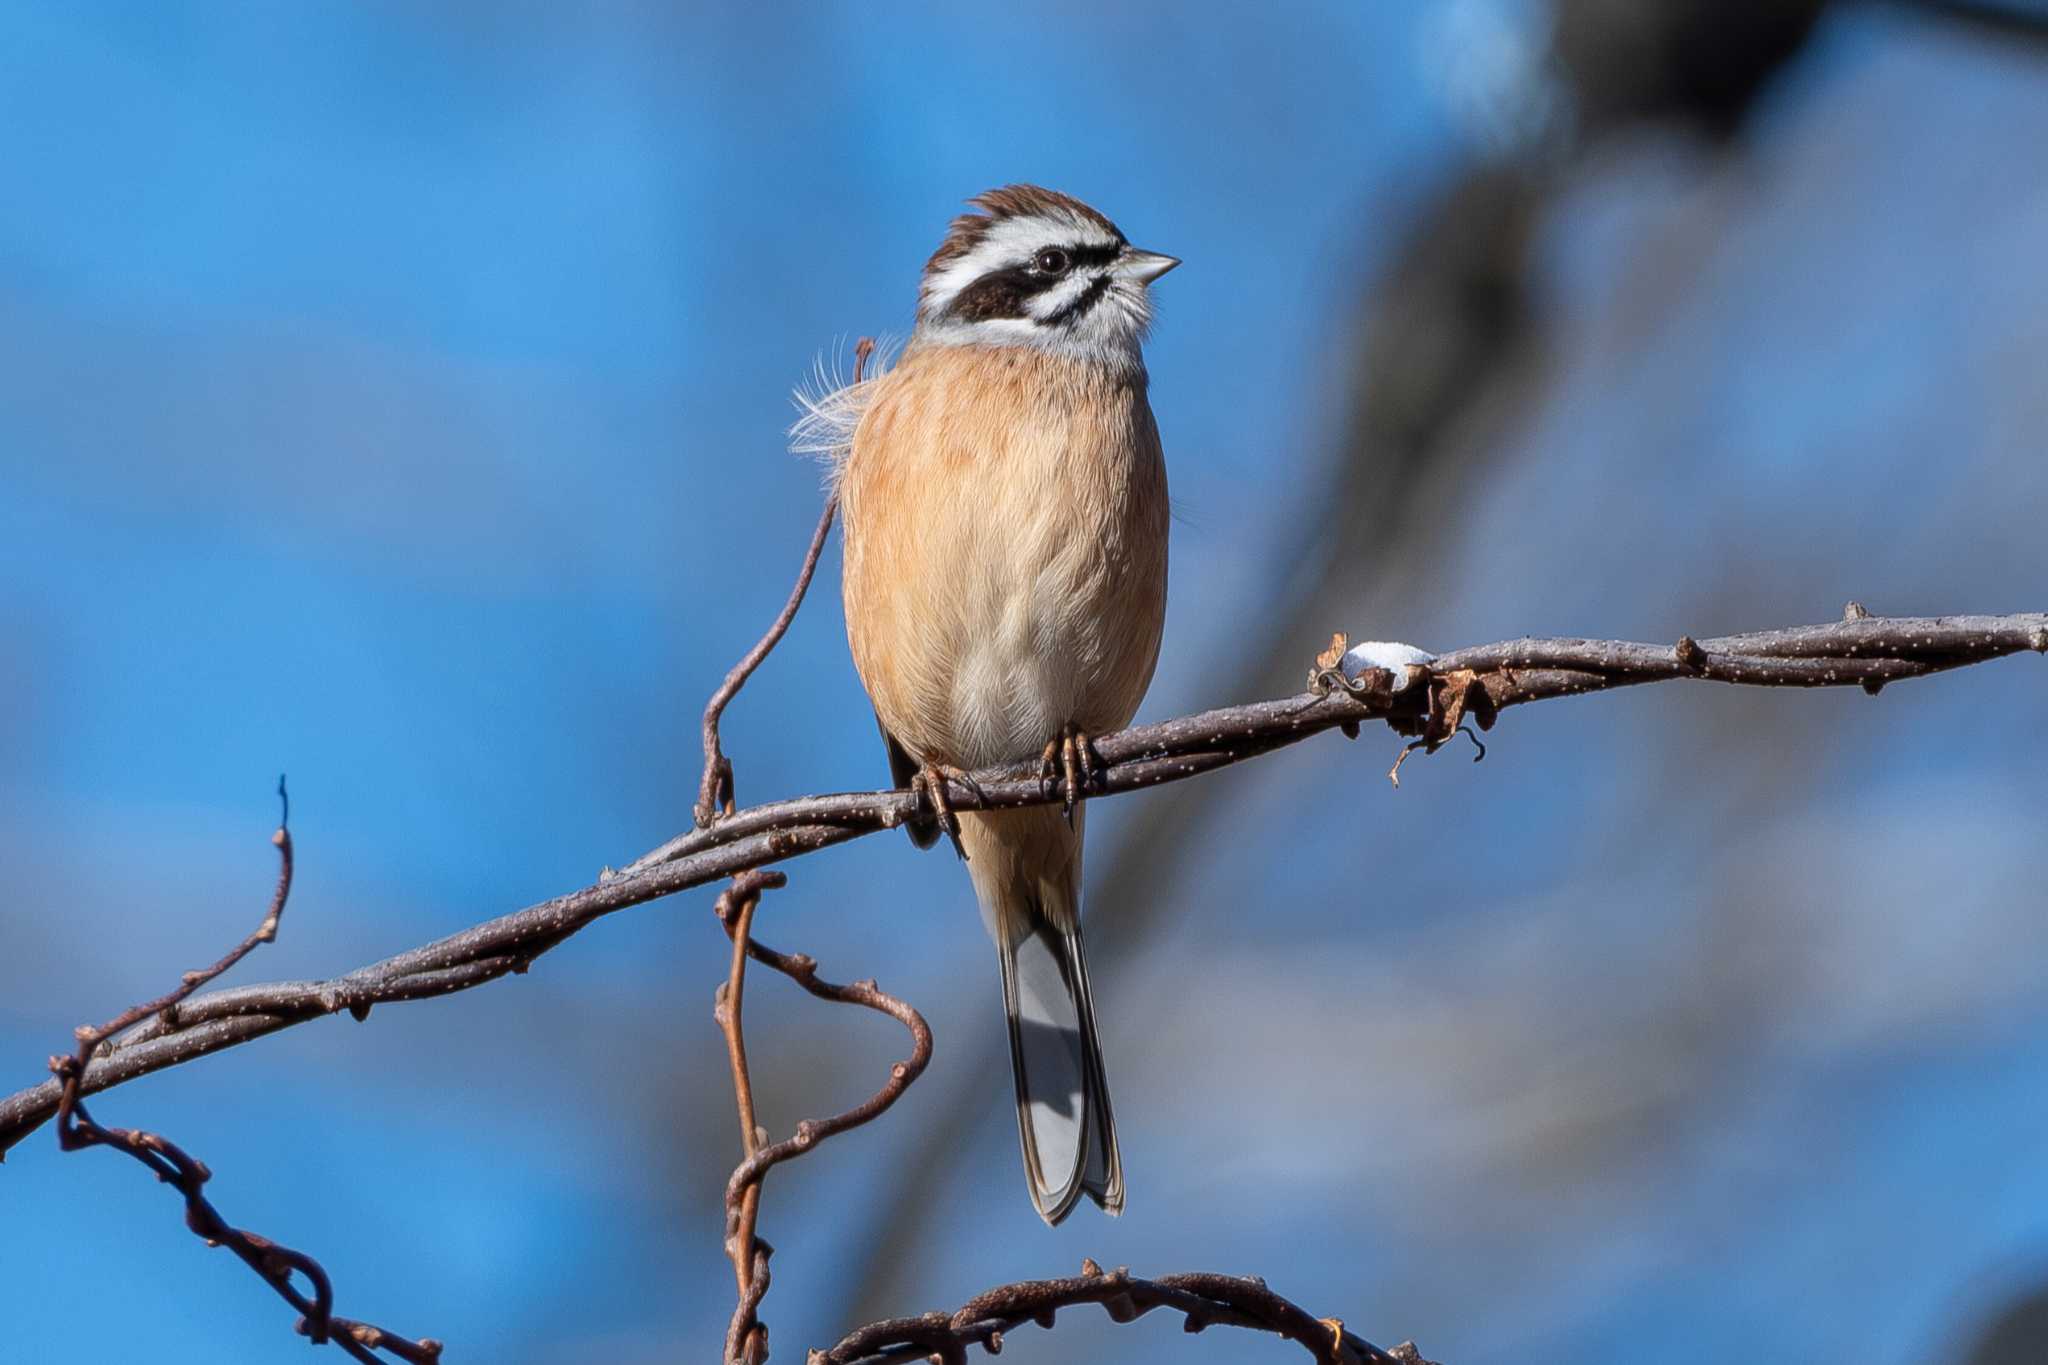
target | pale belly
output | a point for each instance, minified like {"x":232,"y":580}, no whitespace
{"x":1065,"y":640}
{"x":998,"y":593}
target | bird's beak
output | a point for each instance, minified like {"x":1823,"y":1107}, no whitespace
{"x":1145,"y":266}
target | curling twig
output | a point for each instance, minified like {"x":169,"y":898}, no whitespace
{"x":188,"y":1175}
{"x":746,"y":1341}
{"x":715,"y":791}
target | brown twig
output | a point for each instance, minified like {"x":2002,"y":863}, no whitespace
{"x":746,"y":1340}
{"x":715,"y":792}
{"x":1204,"y":1300}
{"x":1482,"y":682}
{"x":188,"y":1175}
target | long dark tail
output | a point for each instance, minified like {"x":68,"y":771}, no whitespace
{"x":1026,"y":866}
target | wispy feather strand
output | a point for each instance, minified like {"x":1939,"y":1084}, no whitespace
{"x":829,"y":407}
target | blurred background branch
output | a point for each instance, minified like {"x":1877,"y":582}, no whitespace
{"x":1451,"y":356}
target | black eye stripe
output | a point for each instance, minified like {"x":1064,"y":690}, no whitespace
{"x":1080,"y":255}
{"x":1092,"y":255}
{"x":999,"y":294}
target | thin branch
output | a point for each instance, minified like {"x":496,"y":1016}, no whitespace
{"x":166,"y":1005}
{"x":1204,"y":1300}
{"x":188,"y":1175}
{"x":715,"y":789}
{"x":715,"y":794}
{"x":746,"y":1341}
{"x":1477,"y":684}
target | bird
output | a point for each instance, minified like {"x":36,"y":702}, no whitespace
{"x":1005,"y":533}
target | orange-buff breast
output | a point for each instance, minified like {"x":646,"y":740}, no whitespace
{"x":1006,"y":522}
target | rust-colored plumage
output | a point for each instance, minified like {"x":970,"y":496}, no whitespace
{"x":1006,"y":519}
{"x":1006,"y":522}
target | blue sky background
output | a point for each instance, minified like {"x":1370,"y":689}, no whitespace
{"x":394,"y":397}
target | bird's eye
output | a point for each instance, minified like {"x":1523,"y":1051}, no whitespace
{"x":1051,"y":261}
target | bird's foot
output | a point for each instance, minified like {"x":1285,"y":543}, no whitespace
{"x":1070,"y":765}
{"x":930,"y":787}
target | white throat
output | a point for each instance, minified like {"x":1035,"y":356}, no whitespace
{"x":1098,"y":341}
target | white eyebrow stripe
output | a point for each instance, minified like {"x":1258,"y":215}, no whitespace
{"x":1010,"y":242}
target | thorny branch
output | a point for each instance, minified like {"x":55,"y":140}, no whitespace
{"x":746,"y":1341}
{"x":188,"y":1175}
{"x":1204,"y":1300}
{"x":1477,"y":684}
{"x":1472,"y":685}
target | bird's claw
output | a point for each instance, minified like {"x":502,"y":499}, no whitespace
{"x":929,"y":786}
{"x":1071,"y":764}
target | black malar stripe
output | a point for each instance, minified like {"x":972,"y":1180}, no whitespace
{"x":1089,"y":297}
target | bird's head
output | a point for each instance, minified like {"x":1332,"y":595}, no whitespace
{"x":1039,"y":268}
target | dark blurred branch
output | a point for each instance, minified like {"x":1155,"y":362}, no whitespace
{"x":1204,"y":1300}
{"x":1477,"y":683}
{"x":188,"y":1175}
{"x":2023,"y":20}
{"x":1451,"y":349}
{"x":746,"y":1341}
